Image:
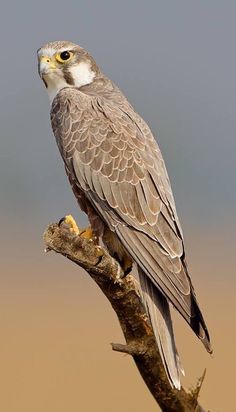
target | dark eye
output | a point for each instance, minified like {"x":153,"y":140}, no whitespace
{"x":65,"y":55}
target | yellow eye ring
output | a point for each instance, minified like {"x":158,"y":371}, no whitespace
{"x":64,"y":56}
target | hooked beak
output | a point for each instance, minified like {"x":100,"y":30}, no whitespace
{"x":46,"y":65}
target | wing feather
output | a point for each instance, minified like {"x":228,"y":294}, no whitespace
{"x":119,"y":165}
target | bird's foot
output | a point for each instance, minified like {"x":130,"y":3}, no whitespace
{"x":70,"y":221}
{"x":86,"y":233}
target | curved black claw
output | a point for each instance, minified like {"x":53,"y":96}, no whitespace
{"x":62,"y":220}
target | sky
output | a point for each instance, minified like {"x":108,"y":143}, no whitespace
{"x":176,"y":63}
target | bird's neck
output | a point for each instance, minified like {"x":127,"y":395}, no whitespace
{"x":76,"y":76}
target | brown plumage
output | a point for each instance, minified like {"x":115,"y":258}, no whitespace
{"x":119,"y":178}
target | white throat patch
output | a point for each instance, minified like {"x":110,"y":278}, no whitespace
{"x":81,"y":74}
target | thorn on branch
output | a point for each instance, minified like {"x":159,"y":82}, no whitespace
{"x":134,"y":349}
{"x":196,"y":391}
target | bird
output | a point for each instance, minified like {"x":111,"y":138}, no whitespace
{"x":118,"y":175}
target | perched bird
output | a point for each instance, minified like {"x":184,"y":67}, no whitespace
{"x":119,"y":178}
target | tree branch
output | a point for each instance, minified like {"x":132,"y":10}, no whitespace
{"x":126,"y":302}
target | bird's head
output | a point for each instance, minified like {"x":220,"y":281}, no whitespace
{"x":65,"y":64}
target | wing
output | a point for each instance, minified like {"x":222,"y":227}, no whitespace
{"x":118,"y":164}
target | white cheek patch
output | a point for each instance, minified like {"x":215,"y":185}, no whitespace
{"x":82,"y":74}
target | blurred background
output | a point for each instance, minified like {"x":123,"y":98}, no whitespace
{"x":176,"y":62}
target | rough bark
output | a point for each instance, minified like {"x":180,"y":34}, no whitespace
{"x":125,"y":300}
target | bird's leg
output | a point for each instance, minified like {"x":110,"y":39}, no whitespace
{"x":117,"y":251}
{"x":125,"y":262}
{"x":126,"y":265}
{"x":73,"y":227}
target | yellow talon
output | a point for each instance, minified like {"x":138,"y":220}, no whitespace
{"x":87,"y":233}
{"x":70,"y":221}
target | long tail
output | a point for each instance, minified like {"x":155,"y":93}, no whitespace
{"x":158,"y":309}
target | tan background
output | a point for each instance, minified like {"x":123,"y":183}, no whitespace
{"x":176,"y":62}
{"x":56,"y":327}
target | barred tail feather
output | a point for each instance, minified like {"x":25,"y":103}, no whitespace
{"x":158,"y":310}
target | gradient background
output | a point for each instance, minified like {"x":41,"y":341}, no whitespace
{"x":176,"y":62}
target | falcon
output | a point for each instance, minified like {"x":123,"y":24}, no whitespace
{"x":119,"y":178}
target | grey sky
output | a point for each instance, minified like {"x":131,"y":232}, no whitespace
{"x":176,"y":63}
